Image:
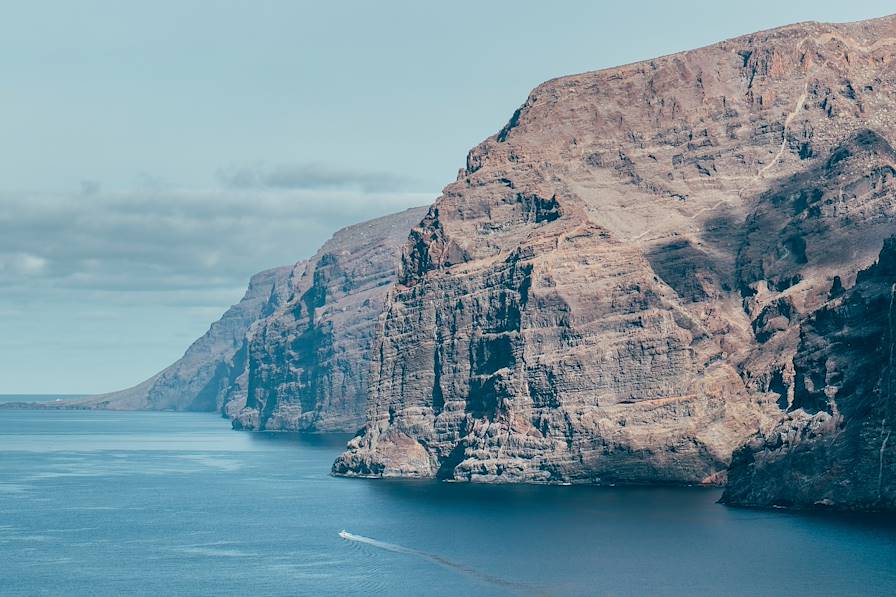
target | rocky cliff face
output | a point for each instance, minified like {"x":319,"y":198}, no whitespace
{"x":307,"y":364}
{"x":202,"y":378}
{"x":833,"y":448}
{"x":294,"y":353}
{"x":612,"y":289}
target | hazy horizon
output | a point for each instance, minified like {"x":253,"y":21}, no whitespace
{"x":163,"y":153}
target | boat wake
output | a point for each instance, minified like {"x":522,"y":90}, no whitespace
{"x":444,"y":562}
{"x":380,"y":544}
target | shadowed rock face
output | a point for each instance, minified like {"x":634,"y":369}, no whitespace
{"x":612,"y":289}
{"x":294,"y":354}
{"x":833,"y":448}
{"x":202,"y":378}
{"x":307,"y":364}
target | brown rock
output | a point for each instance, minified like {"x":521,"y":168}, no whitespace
{"x":307,"y":364}
{"x":611,"y":291}
{"x":833,"y":448}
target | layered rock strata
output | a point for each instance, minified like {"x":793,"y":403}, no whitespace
{"x":612,"y":289}
{"x":307,"y":364}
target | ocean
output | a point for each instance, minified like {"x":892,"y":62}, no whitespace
{"x":133,"y":503}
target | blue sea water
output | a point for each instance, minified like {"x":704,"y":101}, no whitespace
{"x":109,"y":503}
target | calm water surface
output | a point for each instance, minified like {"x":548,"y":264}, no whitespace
{"x":100,"y":503}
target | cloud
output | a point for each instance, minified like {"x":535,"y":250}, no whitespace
{"x":309,"y":176}
{"x":100,"y":289}
{"x":170,"y":241}
{"x":24,"y":264}
{"x":90,"y":187}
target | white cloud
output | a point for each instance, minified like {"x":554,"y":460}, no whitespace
{"x":23,"y":264}
{"x":171,"y":240}
{"x":99,"y":289}
{"x":309,"y":176}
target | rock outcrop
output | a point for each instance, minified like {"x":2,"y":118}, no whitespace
{"x":202,"y":378}
{"x":294,"y":353}
{"x":612,"y":290}
{"x":307,"y":364}
{"x":833,"y":448}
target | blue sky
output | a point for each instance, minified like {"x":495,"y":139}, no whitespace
{"x":156,"y":154}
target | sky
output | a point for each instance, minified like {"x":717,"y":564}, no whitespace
{"x":154,"y":155}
